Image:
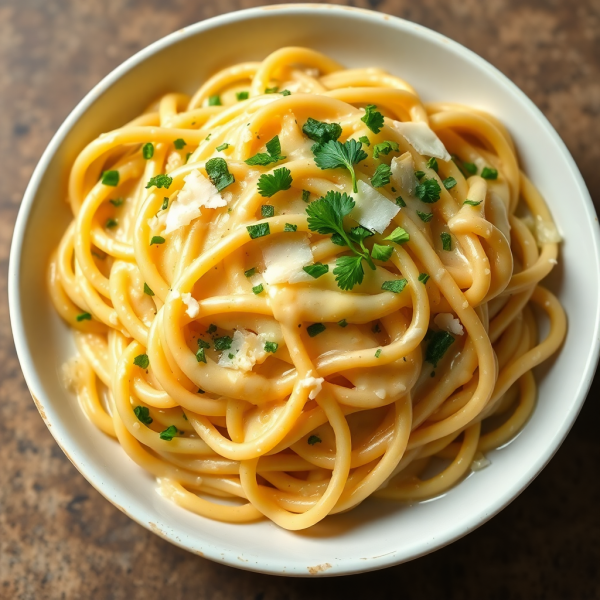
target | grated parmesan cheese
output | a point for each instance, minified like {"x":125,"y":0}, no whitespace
{"x":314,"y":384}
{"x":246,"y":350}
{"x":284,"y":259}
{"x":373,"y":210}
{"x":197,"y":192}
{"x":422,"y":138}
{"x":448,"y":323}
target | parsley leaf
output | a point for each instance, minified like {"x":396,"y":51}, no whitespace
{"x":290,"y":227}
{"x":314,"y":439}
{"x":160,"y":181}
{"x":400,"y":202}
{"x":157,"y":239}
{"x":305,"y":196}
{"x":203,"y":344}
{"x":169,"y":433}
{"x":398,"y":236}
{"x":425,"y":217}
{"x":446,"y":241}
{"x":110,"y":178}
{"x":349,"y":271}
{"x":382,"y":176}
{"x":428,"y":191}
{"x":489,"y":173}
{"x":258,"y":230}
{"x":266,"y":211}
{"x":326,"y":214}
{"x":334,"y":155}
{"x":257,"y":289}
{"x":316,"y":270}
{"x":110,"y":223}
{"x":395,"y":286}
{"x":385,"y":148}
{"x":278,"y":181}
{"x":472,"y":202}
{"x":285,"y":93}
{"x":179,"y":143}
{"x":142,"y":361}
{"x":148,"y":151}
{"x":363,"y":139}
{"x":250,"y":272}
{"x":222,"y":147}
{"x":147,"y":290}
{"x":214,"y":100}
{"x":86,"y":316}
{"x":218,"y":172}
{"x":321,"y":132}
{"x":449,"y":183}
{"x":143,"y":414}
{"x":433,"y":164}
{"x":439,"y":342}
{"x":272,"y":90}
{"x":273,"y":156}
{"x":423,"y":278}
{"x":201,"y":356}
{"x":242,"y":96}
{"x":165,"y":203}
{"x":378,"y":353}
{"x":382,"y":253}
{"x":117,"y":201}
{"x":373,"y":119}
{"x":223,"y":343}
{"x":470,"y":168}
{"x":343,"y":323}
{"x":315,"y":329}
{"x":271,"y":347}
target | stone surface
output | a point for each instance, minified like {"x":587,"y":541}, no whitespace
{"x":60,"y":539}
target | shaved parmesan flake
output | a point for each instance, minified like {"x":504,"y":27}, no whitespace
{"x":197,"y":191}
{"x":193,"y":308}
{"x":246,"y":350}
{"x":373,"y":210}
{"x":448,"y":323}
{"x":314,"y":384}
{"x":479,"y":462}
{"x":546,"y":232}
{"x":403,"y":172}
{"x":422,"y":138}
{"x":285,"y":258}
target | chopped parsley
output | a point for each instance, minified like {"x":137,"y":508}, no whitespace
{"x":384,"y":148}
{"x":285,"y":93}
{"x":201,"y":356}
{"x":110,"y":223}
{"x":147,"y":290}
{"x":400,"y":201}
{"x":271,"y":347}
{"x":425,"y":217}
{"x":419,"y":174}
{"x":305,"y":196}
{"x":398,"y":236}
{"x":449,"y":183}
{"x":489,"y":173}
{"x":395,"y":285}
{"x":223,"y":343}
{"x":381,"y":176}
{"x":165,"y":203}
{"x":257,"y":289}
{"x":214,"y":100}
{"x":314,"y":439}
{"x":222,"y":147}
{"x":343,"y":323}
{"x":148,"y":151}
{"x":382,"y":253}
{"x":470,"y":168}
{"x":321,"y":132}
{"x":315,"y":329}
{"x":290,"y":227}
{"x":271,"y":90}
{"x":316,"y":270}
{"x":472,"y":202}
{"x":211,"y":328}
{"x":279,"y":181}
{"x":258,"y":230}
{"x":428,"y":191}
{"x":446,"y":241}
{"x":187,"y":157}
{"x":169,"y":433}
{"x":160,"y":181}
{"x":203,"y":344}
{"x":250,"y":272}
{"x":142,"y":361}
{"x":272,"y":155}
{"x":110,"y":178}
{"x":334,"y":155}
{"x":372,"y":118}
{"x":157,"y":239}
{"x":86,"y":316}
{"x":423,"y":278}
{"x":363,"y":139}
{"x":378,"y":353}
{"x":267,"y":210}
{"x":218,"y":172}
{"x":439,"y":342}
{"x":143,"y":415}
{"x":242,"y":96}
{"x":179,"y":143}
{"x":117,"y":201}
{"x":433,"y":164}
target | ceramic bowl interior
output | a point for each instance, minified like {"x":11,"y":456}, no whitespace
{"x":378,"y":533}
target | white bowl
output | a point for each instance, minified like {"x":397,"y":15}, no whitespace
{"x":378,"y":533}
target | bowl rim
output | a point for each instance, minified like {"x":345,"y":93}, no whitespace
{"x":52,"y":421}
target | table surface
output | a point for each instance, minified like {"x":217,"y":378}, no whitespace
{"x":60,"y":539}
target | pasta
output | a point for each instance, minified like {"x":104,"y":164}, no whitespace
{"x":303,"y":287}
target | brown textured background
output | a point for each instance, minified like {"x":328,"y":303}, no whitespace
{"x":60,"y":539}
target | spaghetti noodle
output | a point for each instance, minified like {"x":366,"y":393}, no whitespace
{"x":288,"y":296}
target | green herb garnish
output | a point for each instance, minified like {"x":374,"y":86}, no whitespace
{"x":142,"y":361}
{"x":290,"y":227}
{"x":316,"y":270}
{"x":214,"y":100}
{"x":382,"y":253}
{"x":428,"y":191}
{"x":381,"y":176}
{"x":378,"y":353}
{"x":201,"y":356}
{"x":218,"y":172}
{"x":272,"y":155}
{"x":400,"y":201}
{"x":250,"y":272}
{"x":473,"y":202}
{"x":110,"y":178}
{"x":439,"y":342}
{"x":179,"y":143}
{"x":449,"y":183}
{"x":160,"y":181}
{"x":423,"y":278}
{"x":373,"y":119}
{"x":148,"y":151}
{"x":321,"y":132}
{"x":363,"y":139}
{"x":242,"y":96}
{"x":315,"y":329}
{"x":279,"y":181}
{"x":257,"y":289}
{"x":222,"y":147}
{"x":343,"y":323}
{"x":266,"y":210}
{"x":433,"y":164}
{"x":425,"y":217}
{"x":143,"y":415}
{"x":147,"y":290}
{"x":446,"y":241}
{"x":334,"y":155}
{"x":385,"y":148}
{"x":86,"y":316}
{"x":271,"y":347}
{"x":398,"y":236}
{"x":223,"y":343}
{"x":258,"y":230}
{"x":169,"y":433}
{"x":314,"y":439}
{"x":395,"y":285}
{"x":157,"y":239}
{"x":489,"y":173}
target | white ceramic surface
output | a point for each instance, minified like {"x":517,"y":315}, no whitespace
{"x":377,"y":534}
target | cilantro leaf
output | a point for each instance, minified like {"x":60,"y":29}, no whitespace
{"x":321,"y":132}
{"x":360,"y":233}
{"x":334,"y":155}
{"x":373,"y":119}
{"x":349,"y":271}
{"x":326,"y":214}
{"x":385,"y":148}
{"x":278,"y":181}
{"x":218,"y":172}
{"x":382,"y":176}
{"x":400,"y":201}
{"x":398,"y":236}
{"x":382,"y":253}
